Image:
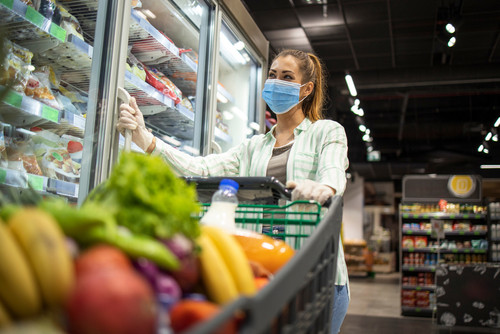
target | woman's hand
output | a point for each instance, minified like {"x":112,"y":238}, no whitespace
{"x":131,"y":118}
{"x":310,"y":190}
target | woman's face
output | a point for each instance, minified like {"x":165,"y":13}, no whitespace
{"x":286,"y":69}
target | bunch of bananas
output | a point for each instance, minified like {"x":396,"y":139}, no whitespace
{"x":36,"y":268}
{"x":225,"y":270}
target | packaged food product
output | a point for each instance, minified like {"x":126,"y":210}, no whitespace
{"x":408,"y":293}
{"x":408,"y":242}
{"x":23,"y":53}
{"x":47,"y":8}
{"x":22,"y":158}
{"x":187,"y":103}
{"x":159,"y":81}
{"x":68,"y":22}
{"x":39,"y":88}
{"x":420,"y":242}
{"x":15,"y":71}
{"x":74,"y":146}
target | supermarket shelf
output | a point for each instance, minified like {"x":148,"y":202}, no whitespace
{"x":425,"y":269}
{"x":225,"y":93}
{"x":221,"y":135}
{"x":24,"y":23}
{"x":419,"y":287}
{"x":495,"y":239}
{"x":448,"y":233}
{"x":417,"y":311}
{"x":42,"y":184}
{"x":463,"y":251}
{"x":444,"y":251}
{"x":443,"y":215}
{"x":23,"y":111}
{"x":152,"y":47}
{"x":177,"y":120}
{"x":421,"y":250}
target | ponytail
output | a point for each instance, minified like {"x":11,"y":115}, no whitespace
{"x":312,"y":70}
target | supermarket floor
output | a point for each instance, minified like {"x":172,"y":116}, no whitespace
{"x":375,"y":309}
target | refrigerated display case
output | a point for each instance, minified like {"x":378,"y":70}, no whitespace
{"x":176,"y":57}
{"x":44,"y":81}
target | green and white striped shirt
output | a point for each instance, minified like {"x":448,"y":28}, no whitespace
{"x":319,"y":154}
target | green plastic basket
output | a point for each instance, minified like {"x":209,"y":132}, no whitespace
{"x":293,"y":222}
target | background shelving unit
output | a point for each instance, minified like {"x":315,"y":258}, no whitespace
{"x":423,"y":249}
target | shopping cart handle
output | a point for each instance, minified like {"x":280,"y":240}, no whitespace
{"x":287,"y":192}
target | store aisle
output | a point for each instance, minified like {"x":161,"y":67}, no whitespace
{"x":375,"y":309}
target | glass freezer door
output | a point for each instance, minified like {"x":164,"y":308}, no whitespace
{"x":238,"y":89}
{"x":167,"y":71}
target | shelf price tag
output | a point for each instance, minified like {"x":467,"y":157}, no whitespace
{"x":454,"y":250}
{"x":13,"y":99}
{"x":405,"y":215}
{"x":57,"y":32}
{"x":466,"y":250}
{"x":411,"y":269}
{"x":3,"y":175}
{"x":34,"y":17}
{"x":461,"y":232}
{"x":425,"y":216}
{"x":36,"y":182}
{"x":50,"y":113}
{"x":7,"y":3}
{"x":466,"y":216}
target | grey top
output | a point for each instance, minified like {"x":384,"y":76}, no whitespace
{"x":277,"y":164}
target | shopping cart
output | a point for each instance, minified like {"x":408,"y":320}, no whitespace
{"x":299,"y":297}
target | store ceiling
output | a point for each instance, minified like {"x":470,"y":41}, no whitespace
{"x":428,"y":106}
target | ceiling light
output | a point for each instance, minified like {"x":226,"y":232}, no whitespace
{"x":488,"y":136}
{"x":452,"y":41}
{"x":486,"y":151}
{"x":497,"y":123}
{"x":495,"y":138}
{"x":357,"y":102}
{"x":350,"y":85}
{"x":369,"y":148}
{"x":362,"y":128}
{"x":480,"y":148}
{"x":450,"y":28}
{"x":367,"y":138}
{"x":367,"y":131}
{"x":490,"y":166}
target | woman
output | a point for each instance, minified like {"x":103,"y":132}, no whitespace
{"x":302,"y":150}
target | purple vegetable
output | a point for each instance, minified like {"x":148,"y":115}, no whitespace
{"x":167,"y":289}
{"x":148,"y":269}
{"x":179,"y":245}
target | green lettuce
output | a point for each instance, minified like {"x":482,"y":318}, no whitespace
{"x":145,"y":196}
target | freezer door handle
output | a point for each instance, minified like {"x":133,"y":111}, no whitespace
{"x":124,"y":97}
{"x":216,"y":147}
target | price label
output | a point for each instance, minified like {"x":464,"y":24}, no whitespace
{"x":7,"y":3}
{"x":57,"y":32}
{"x":461,"y":232}
{"x":418,"y":288}
{"x":34,"y":17}
{"x":13,"y":99}
{"x":79,"y":121}
{"x":411,"y":269}
{"x":454,"y":250}
{"x":36,"y":182}
{"x":3,"y":175}
{"x":416,"y":216}
{"x":411,"y":249}
{"x":50,"y":113}
{"x":466,"y":250}
{"x":409,"y":232}
{"x":426,"y":216}
{"x":452,"y":216}
{"x":405,"y":215}
{"x":476,"y":232}
{"x":466,"y":216}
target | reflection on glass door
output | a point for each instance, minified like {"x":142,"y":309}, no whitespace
{"x":167,"y":44}
{"x":237,"y":90}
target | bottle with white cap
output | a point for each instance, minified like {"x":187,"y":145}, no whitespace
{"x":223,"y":207}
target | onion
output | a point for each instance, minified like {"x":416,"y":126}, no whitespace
{"x":148,"y":269}
{"x":167,"y":289}
{"x":179,"y":245}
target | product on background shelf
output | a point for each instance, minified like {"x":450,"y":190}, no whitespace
{"x":68,"y":22}
{"x":408,"y":242}
{"x":159,"y":81}
{"x":39,"y":85}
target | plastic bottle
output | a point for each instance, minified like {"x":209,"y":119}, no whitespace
{"x":222,"y":210}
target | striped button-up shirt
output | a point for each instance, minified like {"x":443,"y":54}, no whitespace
{"x":319,"y":154}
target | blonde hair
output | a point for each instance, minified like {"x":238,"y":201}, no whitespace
{"x":312,"y":70}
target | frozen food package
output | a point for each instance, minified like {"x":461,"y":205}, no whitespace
{"x":39,"y":88}
{"x":69,"y":23}
{"x":47,"y":8}
{"x":65,"y":103}
{"x":21,"y":157}
{"x":74,"y":146}
{"x":23,"y":53}
{"x":57,"y":164}
{"x":15,"y":71}
{"x":187,"y":103}
{"x":30,"y":163}
{"x":136,"y":67}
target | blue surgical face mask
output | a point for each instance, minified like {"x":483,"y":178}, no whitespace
{"x":280,"y":95}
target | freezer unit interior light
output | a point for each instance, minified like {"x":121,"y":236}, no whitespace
{"x":229,"y":52}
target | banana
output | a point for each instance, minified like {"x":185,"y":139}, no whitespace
{"x":5,"y":319}
{"x":18,"y":289}
{"x":215,"y":275}
{"x":45,"y":247}
{"x":234,"y":257}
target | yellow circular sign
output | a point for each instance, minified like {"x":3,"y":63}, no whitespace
{"x":461,"y":185}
